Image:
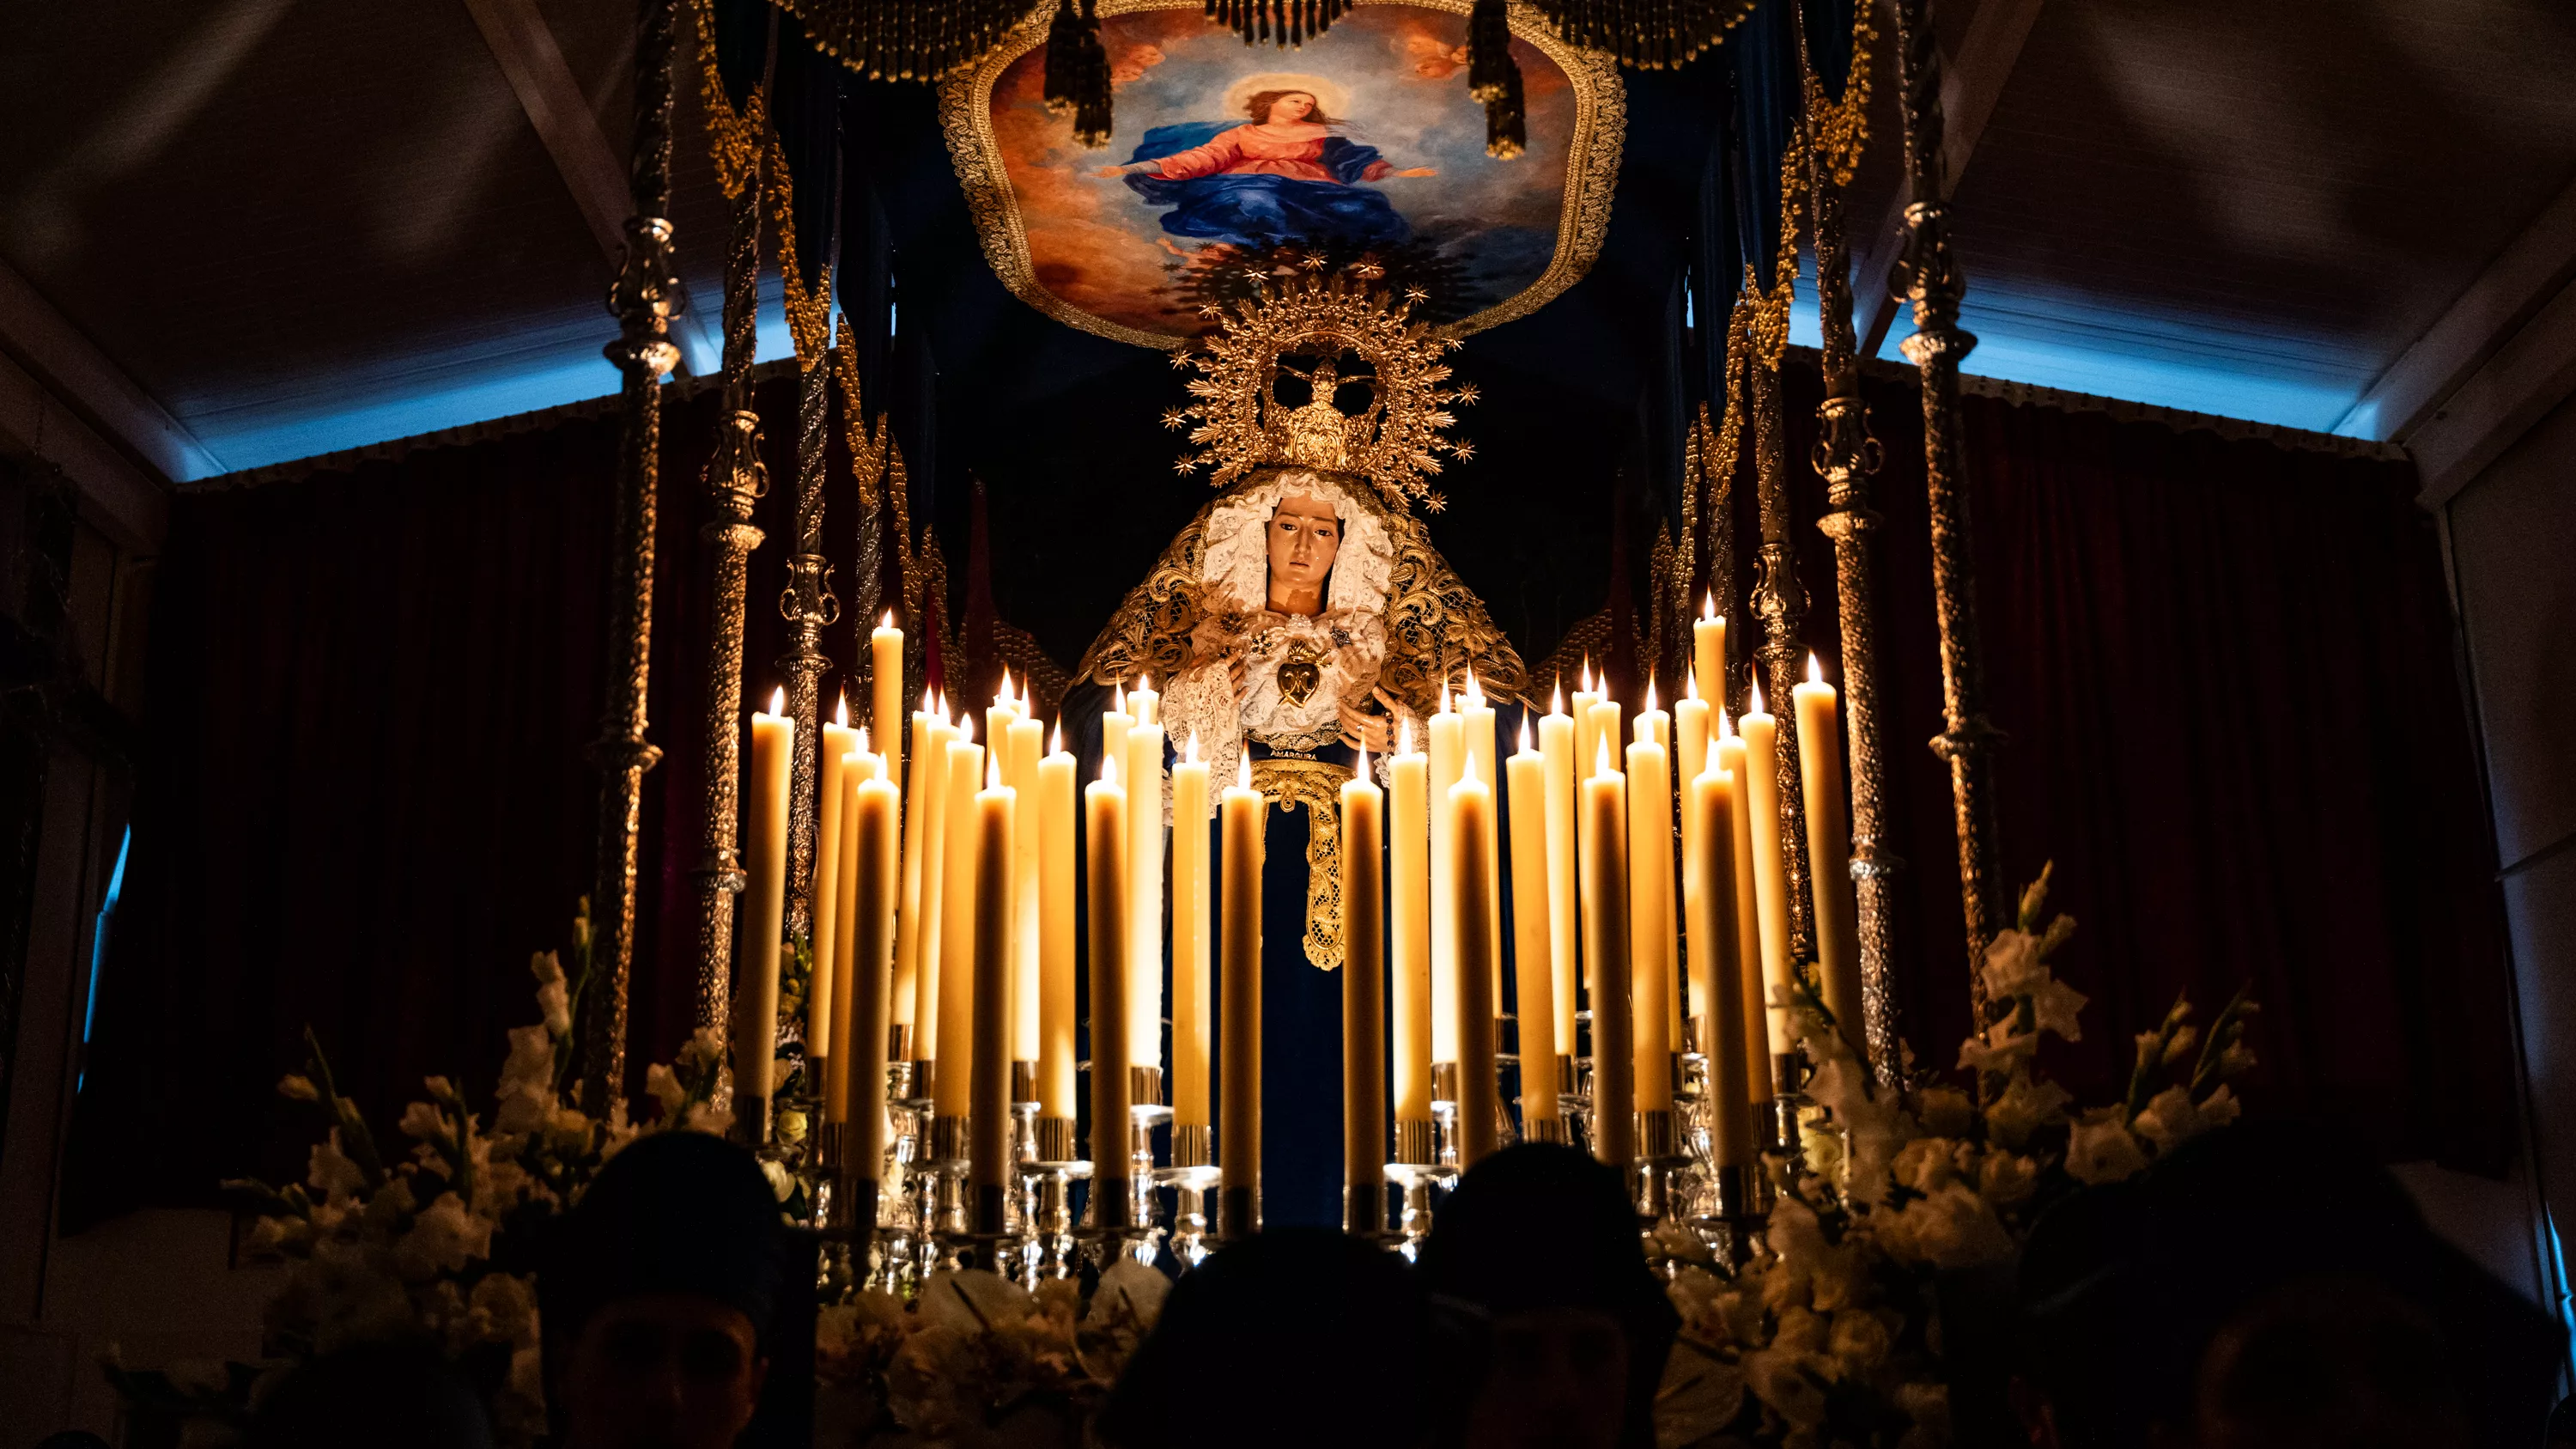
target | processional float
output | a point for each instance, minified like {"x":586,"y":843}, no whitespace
{"x":917,"y":1167}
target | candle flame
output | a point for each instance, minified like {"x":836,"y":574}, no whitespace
{"x":1556,"y":696}
{"x":1725,"y":724}
{"x":1815,"y":670}
{"x":1757,"y":698}
{"x":1708,"y":604}
{"x":841,"y":711}
{"x":1404,"y":737}
{"x":1475,"y":696}
{"x":888,"y":621}
{"x":1190,"y":751}
{"x":966,"y":727}
{"x":928,"y":706}
{"x":1601,"y":755}
{"x":1360,"y":771}
{"x":1243,"y":771}
{"x":1006,"y":697}
{"x":1118,"y":698}
{"x":1525,"y":738}
{"x":1650,"y":694}
{"x":1108,"y":769}
{"x":863,"y":741}
{"x":1690,"y":682}
{"x":1587,"y":671}
{"x":1058,"y":747}
{"x":1444,"y":696}
{"x":1145,"y":683}
{"x":778,"y":700}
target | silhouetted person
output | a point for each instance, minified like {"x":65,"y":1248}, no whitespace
{"x":1294,"y":1339}
{"x":2262,"y":1289}
{"x":1540,"y":1244}
{"x":669,"y":1304}
{"x":382,"y":1395}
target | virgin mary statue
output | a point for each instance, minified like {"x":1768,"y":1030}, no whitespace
{"x":1302,"y":615}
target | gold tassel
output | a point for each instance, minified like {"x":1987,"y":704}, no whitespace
{"x":1506,"y":123}
{"x":1077,"y":71}
{"x":908,"y":39}
{"x":1284,"y":23}
{"x":1495,"y":78}
{"x":1647,"y":34}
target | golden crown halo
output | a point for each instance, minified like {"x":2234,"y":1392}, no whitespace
{"x":1394,"y":443}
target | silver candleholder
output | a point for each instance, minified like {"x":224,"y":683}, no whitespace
{"x":1415,"y":1172}
{"x":1192,"y":1173}
{"x":1048,"y":1246}
{"x":1659,"y":1155}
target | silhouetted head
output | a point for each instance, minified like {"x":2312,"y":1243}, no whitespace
{"x":1539,"y":1247}
{"x":1291,"y":1339}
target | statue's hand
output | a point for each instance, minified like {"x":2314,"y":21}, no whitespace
{"x":1360,"y":729}
{"x":1418,"y":171}
{"x":1110,"y":171}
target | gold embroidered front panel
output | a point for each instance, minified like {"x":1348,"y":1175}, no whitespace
{"x":1317,"y":786}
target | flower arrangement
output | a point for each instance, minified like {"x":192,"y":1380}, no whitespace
{"x":437,"y":1244}
{"x":1831,"y":1333}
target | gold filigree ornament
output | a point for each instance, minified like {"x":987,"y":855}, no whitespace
{"x":1394,"y":443}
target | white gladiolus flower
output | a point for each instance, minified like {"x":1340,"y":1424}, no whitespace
{"x":2013,"y":967}
{"x":330,"y":1172}
{"x":555,"y":1001}
{"x":423,"y":1121}
{"x":298,"y":1087}
{"x":2103,"y":1151}
{"x":1950,"y":1229}
{"x":2025,"y":1106}
{"x":2055,"y":1005}
{"x":444,"y":1237}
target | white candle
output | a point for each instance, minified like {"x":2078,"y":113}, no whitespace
{"x":1605,"y":950}
{"x":1690,"y":760}
{"x":873,"y":803}
{"x":952,"y":1085}
{"x":933,"y":806}
{"x":1409,"y":921}
{"x":907,"y":939}
{"x":1764,"y":1037}
{"x":1565,"y":926}
{"x":1653,"y":726}
{"x":839,"y":742}
{"x":1479,"y":959}
{"x":1721,"y":1018}
{"x":1363,"y":983}
{"x":1057,"y":1011}
{"x":1144,"y":776}
{"x":1770,"y":874}
{"x":1028,"y":829}
{"x":1650,"y":945}
{"x":1190,"y":944}
{"x":1105,"y":858}
{"x":1820,"y":767}
{"x":1533,"y":931}
{"x":996,"y":894}
{"x":1708,"y":648}
{"x":857,"y":767}
{"x":885,"y":680}
{"x":1447,"y":763}
{"x":764,"y":903}
{"x":1239,"y":1133}
{"x":1476,"y":738}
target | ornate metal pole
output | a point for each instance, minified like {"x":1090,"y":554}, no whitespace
{"x":1845,"y":457}
{"x":736,"y":480}
{"x":645,"y":298}
{"x":1930,"y":280}
{"x":1781,"y":603}
{"x":809,"y":606}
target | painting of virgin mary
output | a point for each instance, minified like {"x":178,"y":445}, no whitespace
{"x":1276,"y":173}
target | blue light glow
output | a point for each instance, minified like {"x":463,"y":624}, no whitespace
{"x":98,"y":950}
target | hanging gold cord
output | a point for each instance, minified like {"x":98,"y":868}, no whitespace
{"x":1077,"y":71}
{"x":874,"y":456}
{"x":741,"y":141}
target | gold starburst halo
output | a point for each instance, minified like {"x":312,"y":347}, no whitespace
{"x":1239,"y":424}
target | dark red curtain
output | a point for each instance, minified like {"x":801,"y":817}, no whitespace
{"x":2225,"y":668}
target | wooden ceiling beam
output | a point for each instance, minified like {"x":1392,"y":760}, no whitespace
{"x":2529,"y":372}
{"x":1972,"y":82}
{"x":531,"y":60}
{"x":72,"y":368}
{"x":2512,"y":290}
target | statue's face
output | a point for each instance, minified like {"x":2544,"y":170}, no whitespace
{"x":1304,"y":537}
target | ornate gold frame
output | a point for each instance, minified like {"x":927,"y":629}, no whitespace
{"x":1591,"y":168}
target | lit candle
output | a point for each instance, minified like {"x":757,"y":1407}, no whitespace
{"x":1056,"y":1009}
{"x":907,"y":937}
{"x":839,"y":742}
{"x":1479,"y":954}
{"x":1585,"y":697}
{"x":1764,"y":1037}
{"x":764,"y":908}
{"x":1712,"y":920}
{"x":1145,"y":704}
{"x":952,"y":1086}
{"x":1104,"y":846}
{"x":1708,"y":648}
{"x":1650,"y":945}
{"x":1770,"y":873}
{"x":885,"y":680}
{"x":1820,"y":768}
{"x":1363,"y":986}
{"x":1605,"y":948}
{"x":1565,"y":926}
{"x":1190,"y":1023}
{"x":833,"y":1003}
{"x":1028,"y":745}
{"x":1144,"y":777}
{"x":1690,"y":759}
{"x":868,"y":984}
{"x":989,"y":1105}
{"x":1447,"y":763}
{"x":1239,"y":959}
{"x":1533,"y":931}
{"x":1409,"y":916}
